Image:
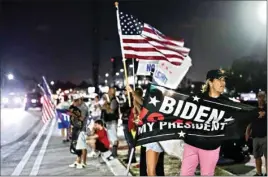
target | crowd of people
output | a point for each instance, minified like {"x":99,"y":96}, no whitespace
{"x":95,"y":127}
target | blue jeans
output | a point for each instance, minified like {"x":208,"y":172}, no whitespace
{"x":130,"y":140}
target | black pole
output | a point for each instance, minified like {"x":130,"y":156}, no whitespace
{"x":95,"y":44}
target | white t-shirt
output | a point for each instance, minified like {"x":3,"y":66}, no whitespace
{"x":95,"y":109}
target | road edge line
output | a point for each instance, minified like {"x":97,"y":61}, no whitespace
{"x":17,"y":171}
{"x":40,"y":156}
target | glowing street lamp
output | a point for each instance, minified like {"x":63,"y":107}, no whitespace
{"x":10,"y":76}
{"x":52,"y":83}
{"x":105,"y":81}
{"x":117,"y":73}
{"x":121,"y":70}
{"x":106,"y":75}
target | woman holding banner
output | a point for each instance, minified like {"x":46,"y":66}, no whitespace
{"x":152,"y":155}
{"x":203,"y":150}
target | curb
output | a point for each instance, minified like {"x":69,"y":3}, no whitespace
{"x":227,"y":172}
{"x":116,"y":167}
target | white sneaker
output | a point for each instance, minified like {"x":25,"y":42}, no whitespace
{"x":92,"y":154}
{"x":73,"y":165}
{"x":80,"y":166}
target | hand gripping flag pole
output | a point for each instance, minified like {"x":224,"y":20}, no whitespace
{"x":135,"y":138}
{"x":122,"y":50}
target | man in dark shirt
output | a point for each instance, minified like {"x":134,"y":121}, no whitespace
{"x":77,"y":126}
{"x":258,"y":130}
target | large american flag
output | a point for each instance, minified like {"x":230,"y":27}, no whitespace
{"x":143,"y":42}
{"x":48,"y":109}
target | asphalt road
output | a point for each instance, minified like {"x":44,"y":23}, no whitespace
{"x":16,"y":123}
{"x":32,"y":148}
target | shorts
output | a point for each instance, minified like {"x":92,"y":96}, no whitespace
{"x":112,"y":131}
{"x":154,"y":147}
{"x":81,"y":141}
{"x":259,"y":147}
{"x":100,"y":146}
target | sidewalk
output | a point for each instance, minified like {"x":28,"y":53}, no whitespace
{"x":58,"y":157}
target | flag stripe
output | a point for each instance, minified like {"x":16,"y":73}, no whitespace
{"x":134,"y":40}
{"x":48,"y":110}
{"x":170,"y":57}
{"x":148,"y":31}
{"x":151,"y":58}
{"x":151,"y":49}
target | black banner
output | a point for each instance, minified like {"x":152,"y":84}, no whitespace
{"x":167,"y":115}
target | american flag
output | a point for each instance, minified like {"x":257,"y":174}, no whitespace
{"x":143,"y":42}
{"x":48,"y":110}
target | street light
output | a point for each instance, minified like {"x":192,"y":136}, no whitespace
{"x":52,"y":83}
{"x":121,"y":70}
{"x":117,"y":73}
{"x":10,"y":76}
{"x":106,"y":75}
{"x":105,"y":81}
{"x":131,"y":66}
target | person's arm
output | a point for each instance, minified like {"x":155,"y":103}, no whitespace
{"x":110,"y":108}
{"x":95,"y":136}
{"x":248,"y":132}
{"x":135,"y":97}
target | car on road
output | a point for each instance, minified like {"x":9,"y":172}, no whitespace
{"x":11,"y":100}
{"x":33,"y":100}
{"x":236,"y":150}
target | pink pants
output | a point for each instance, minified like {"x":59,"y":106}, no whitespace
{"x":192,"y":156}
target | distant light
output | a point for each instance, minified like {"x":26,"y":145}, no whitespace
{"x":106,"y":75}
{"x":146,"y":82}
{"x":240,"y":75}
{"x":192,"y":86}
{"x":117,"y":74}
{"x":112,"y":59}
{"x":262,"y":11}
{"x":52,"y":83}
{"x":121,"y":70}
{"x":131,"y":66}
{"x":105,"y":81}
{"x":10,"y":76}
{"x":139,"y":82}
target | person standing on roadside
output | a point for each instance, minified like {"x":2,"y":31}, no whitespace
{"x":110,"y":116}
{"x":258,"y":130}
{"x":81,"y":142}
{"x":95,"y":109}
{"x":204,"y":150}
{"x":76,"y":120}
{"x":63,"y":124}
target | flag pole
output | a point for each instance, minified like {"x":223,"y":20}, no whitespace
{"x":122,"y":50}
{"x":133,"y":64}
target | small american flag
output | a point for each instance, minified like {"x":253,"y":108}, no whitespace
{"x":142,"y":41}
{"x":48,"y":109}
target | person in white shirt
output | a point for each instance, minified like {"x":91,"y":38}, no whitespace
{"x":95,"y":109}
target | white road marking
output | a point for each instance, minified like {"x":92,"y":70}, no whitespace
{"x":42,"y":151}
{"x":28,"y":154}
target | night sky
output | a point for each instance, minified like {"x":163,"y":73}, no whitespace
{"x":54,"y":38}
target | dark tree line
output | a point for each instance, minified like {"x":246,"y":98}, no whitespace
{"x":247,"y":74}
